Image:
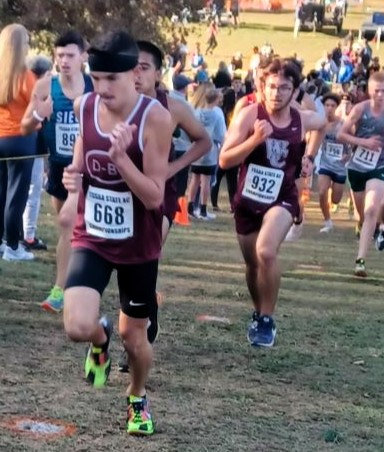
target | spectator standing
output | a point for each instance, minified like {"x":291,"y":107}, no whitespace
{"x":222,"y":79}
{"x":237,"y":62}
{"x":213,"y":30}
{"x":205,"y":100}
{"x":235,"y":11}
{"x":39,"y":65}
{"x":16,"y":85}
{"x":366,"y":54}
{"x":181,"y":141}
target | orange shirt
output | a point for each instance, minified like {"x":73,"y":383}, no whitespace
{"x":12,"y":113}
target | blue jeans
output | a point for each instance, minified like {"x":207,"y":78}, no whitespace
{"x":15,"y":178}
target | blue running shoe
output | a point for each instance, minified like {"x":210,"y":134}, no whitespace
{"x":252,"y":329}
{"x":262,"y":333}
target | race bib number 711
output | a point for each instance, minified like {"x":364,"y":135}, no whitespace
{"x":109,"y":214}
{"x":367,"y":158}
{"x":262,"y":184}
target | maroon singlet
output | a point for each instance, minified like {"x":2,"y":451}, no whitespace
{"x":267,"y":176}
{"x":111,"y":220}
{"x":170,"y":204}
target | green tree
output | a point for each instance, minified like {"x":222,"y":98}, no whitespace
{"x":147,"y":19}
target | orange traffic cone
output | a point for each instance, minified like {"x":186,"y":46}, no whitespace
{"x":181,"y":216}
{"x":305,"y":195}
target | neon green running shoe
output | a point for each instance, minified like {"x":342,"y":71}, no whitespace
{"x":139,"y":420}
{"x":55,"y":300}
{"x":334,"y":208}
{"x":98,"y":362}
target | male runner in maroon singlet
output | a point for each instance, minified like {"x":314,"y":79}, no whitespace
{"x":265,"y":139}
{"x":147,"y":80}
{"x":124,"y":162}
{"x":148,"y":76}
{"x":302,"y":101}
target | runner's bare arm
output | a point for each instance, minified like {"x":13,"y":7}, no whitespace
{"x":313,"y":146}
{"x":183,"y":116}
{"x":148,"y":185}
{"x":240,"y":104}
{"x":73,"y":173}
{"x":345,"y":134}
{"x":78,"y":155}
{"x":313,"y":120}
{"x":244,"y":134}
{"x":40,"y":105}
{"x":307,"y":103}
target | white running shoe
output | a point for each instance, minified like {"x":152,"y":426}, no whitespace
{"x":294,"y":232}
{"x":208,"y":217}
{"x":19,"y":254}
{"x":328,"y":226}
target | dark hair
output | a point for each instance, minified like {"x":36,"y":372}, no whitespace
{"x":296,"y":62}
{"x":152,"y":49}
{"x":284,"y":68}
{"x":313,"y":75}
{"x":115,"y":42}
{"x":229,"y":99}
{"x":39,"y":65}
{"x":70,"y":37}
{"x":331,"y":96}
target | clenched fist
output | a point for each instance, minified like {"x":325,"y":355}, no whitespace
{"x":122,"y":136}
{"x":262,"y":129}
{"x":72,"y":179}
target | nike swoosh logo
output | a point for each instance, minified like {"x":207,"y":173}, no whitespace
{"x":131,"y":303}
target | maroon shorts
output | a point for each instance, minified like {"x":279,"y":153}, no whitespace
{"x":247,"y":221}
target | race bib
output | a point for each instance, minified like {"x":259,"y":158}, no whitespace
{"x":366,"y":157}
{"x":262,"y":184}
{"x":334,"y":151}
{"x":66,"y":135}
{"x":109,"y":214}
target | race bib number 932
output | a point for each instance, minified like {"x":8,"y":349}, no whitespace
{"x":262,"y":184}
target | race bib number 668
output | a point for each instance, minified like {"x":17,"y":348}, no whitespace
{"x":262,"y":184}
{"x":109,"y":214}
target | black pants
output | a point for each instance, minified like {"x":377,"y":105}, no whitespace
{"x":181,"y":177}
{"x":231,"y":175}
{"x":15,"y":179}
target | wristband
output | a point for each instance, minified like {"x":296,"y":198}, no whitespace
{"x":309,"y":157}
{"x":37,"y":116}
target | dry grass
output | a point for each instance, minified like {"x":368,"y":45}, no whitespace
{"x":319,"y":389}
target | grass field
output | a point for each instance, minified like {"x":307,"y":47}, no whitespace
{"x":277,"y":29}
{"x":319,"y":389}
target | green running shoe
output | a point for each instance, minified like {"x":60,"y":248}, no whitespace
{"x":139,"y":420}
{"x":55,"y":300}
{"x":98,"y":361}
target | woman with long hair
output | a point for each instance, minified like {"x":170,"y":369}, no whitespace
{"x":206,"y":100}
{"x":16,"y":85}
